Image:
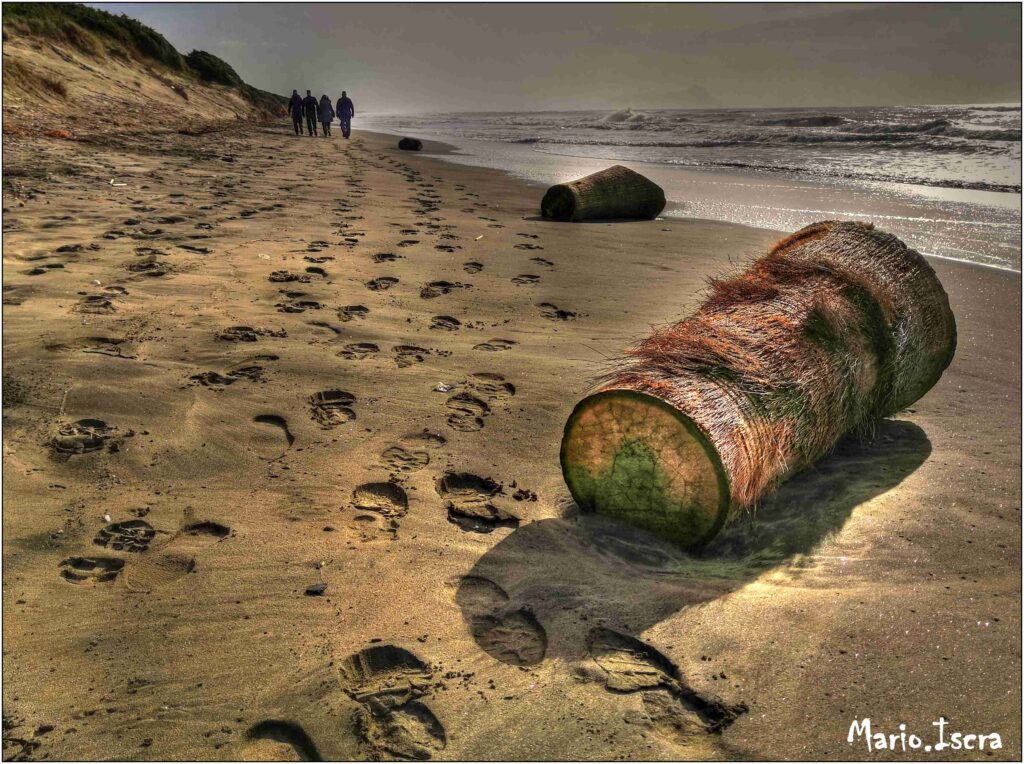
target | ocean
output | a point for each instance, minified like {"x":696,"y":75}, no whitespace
{"x":947,"y":179}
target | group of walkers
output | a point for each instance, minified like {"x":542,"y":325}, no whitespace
{"x":321,"y":111}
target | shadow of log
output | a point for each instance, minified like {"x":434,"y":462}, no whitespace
{"x":538,"y":592}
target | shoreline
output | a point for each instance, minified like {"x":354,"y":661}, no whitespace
{"x":778,"y":201}
{"x":315,"y":381}
{"x":433,"y":148}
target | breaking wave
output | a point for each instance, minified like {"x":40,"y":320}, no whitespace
{"x":821,"y":120}
{"x":974,"y":146}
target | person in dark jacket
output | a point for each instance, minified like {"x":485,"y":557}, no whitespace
{"x":345,"y":112}
{"x":326,"y":114}
{"x":295,"y":110}
{"x":310,"y":109}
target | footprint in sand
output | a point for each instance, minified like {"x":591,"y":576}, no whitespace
{"x":388,"y":500}
{"x":495,"y":345}
{"x":472,"y":267}
{"x":424,"y":439}
{"x":298,"y":306}
{"x":284,"y":277}
{"x":410,"y":731}
{"x":386,"y":257}
{"x":524,"y":279}
{"x":84,"y":436}
{"x":357,"y":351}
{"x":16,"y":294}
{"x":156,"y":572}
{"x":470,"y":499}
{"x":41,"y":270}
{"x":238,"y":334}
{"x":274,"y":438}
{"x":439,"y":288}
{"x":116,"y":347}
{"x":206,"y":529}
{"x":505,"y":631}
{"x":332,"y":408}
{"x":541,"y":261}
{"x":673,"y":709}
{"x":407,"y":355}
{"x":352,"y":312}
{"x":445,"y":323}
{"x":96,"y":304}
{"x":528,"y":246}
{"x":381,"y":284}
{"x":128,"y":536}
{"x":217,"y":380}
{"x":491,"y":386}
{"x":149,"y":267}
{"x":400,"y":459}
{"x":408,"y":242}
{"x":278,"y":740}
{"x":552,"y":312}
{"x":392,"y":721}
{"x":91,"y":570}
{"x":468,"y":412}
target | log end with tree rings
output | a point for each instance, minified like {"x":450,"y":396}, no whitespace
{"x":836,"y":327}
{"x":410,"y":144}
{"x":613,"y":194}
{"x":634,"y":457}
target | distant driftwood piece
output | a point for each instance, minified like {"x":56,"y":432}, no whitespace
{"x":617,"y":192}
{"x":837,"y":326}
{"x":410,"y":144}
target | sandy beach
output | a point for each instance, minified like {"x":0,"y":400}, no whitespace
{"x":281,"y":431}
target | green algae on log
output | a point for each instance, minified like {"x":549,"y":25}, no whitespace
{"x":836,"y":327}
{"x":615,"y":193}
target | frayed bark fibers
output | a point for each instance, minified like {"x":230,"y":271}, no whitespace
{"x":836,"y":327}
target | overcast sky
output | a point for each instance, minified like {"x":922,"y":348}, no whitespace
{"x":476,"y":57}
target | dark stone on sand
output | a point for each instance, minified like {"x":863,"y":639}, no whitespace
{"x":316,"y":590}
{"x":410,"y":144}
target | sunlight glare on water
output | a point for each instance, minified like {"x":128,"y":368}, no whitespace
{"x":946,"y":179}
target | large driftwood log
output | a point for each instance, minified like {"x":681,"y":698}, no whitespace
{"x":617,"y":192}
{"x":837,"y":326}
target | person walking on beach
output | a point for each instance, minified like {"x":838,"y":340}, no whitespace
{"x":310,"y":109}
{"x":326,"y":114}
{"x":345,"y":112}
{"x":295,"y":110}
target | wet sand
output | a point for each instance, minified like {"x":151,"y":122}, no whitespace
{"x":243,"y":365}
{"x":962,"y":224}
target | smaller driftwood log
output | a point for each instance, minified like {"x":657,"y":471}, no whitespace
{"x":837,"y":326}
{"x":610,"y":194}
{"x":410,"y":144}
